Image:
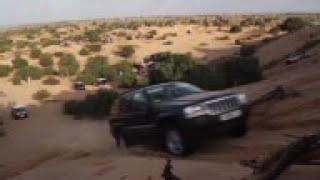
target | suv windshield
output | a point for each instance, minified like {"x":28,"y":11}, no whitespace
{"x":175,"y":90}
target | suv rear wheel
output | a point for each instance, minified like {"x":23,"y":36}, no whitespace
{"x":121,"y":141}
{"x":175,"y":142}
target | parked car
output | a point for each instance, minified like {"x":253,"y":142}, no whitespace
{"x":179,"y":114}
{"x":79,"y":86}
{"x":19,"y":112}
{"x":295,"y":58}
{"x":101,"y":81}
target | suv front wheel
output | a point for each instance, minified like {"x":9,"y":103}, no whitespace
{"x":175,"y":142}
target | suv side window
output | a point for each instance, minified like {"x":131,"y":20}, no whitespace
{"x":139,"y":102}
{"x":125,"y":103}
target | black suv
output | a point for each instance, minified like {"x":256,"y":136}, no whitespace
{"x":178,"y":114}
{"x":19,"y":112}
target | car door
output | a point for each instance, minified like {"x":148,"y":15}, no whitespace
{"x":139,"y":124}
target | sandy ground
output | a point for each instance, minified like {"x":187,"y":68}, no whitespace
{"x":50,"y":145}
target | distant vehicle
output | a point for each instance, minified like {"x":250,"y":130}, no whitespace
{"x":79,"y":86}
{"x":19,"y":112}
{"x":178,"y":114}
{"x":101,"y":81}
{"x":295,"y":58}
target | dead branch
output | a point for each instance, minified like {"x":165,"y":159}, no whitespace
{"x":271,"y":167}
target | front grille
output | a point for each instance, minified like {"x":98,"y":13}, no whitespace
{"x":223,"y":105}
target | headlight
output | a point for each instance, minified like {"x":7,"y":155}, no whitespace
{"x":195,"y":111}
{"x":242,"y":98}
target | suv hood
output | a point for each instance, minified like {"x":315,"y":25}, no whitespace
{"x":191,"y":99}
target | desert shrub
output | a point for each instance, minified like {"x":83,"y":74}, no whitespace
{"x":35,"y":53}
{"x":30,"y":36}
{"x":126,"y":77}
{"x":16,"y":80}
{"x":68,"y":65}
{"x":167,"y":43}
{"x":45,"y":42}
{"x":206,"y":77}
{"x":203,"y":44}
{"x":150,"y":34}
{"x":96,"y":67}
{"x":293,"y":24}
{"x":5,"y":44}
{"x":235,"y":29}
{"x":92,"y":35}
{"x":33,"y":72}
{"x":223,"y":38}
{"x":86,"y":78}
{"x":58,"y":54}
{"x":22,"y":44}
{"x":41,"y":95}
{"x":94,"y":47}
{"x":238,"y":42}
{"x":51,"y":81}
{"x":247,"y":50}
{"x":5,"y":70}
{"x":50,"y":71}
{"x":84,"y":52}
{"x":46,"y":60}
{"x":170,"y":67}
{"x":19,"y":62}
{"x":126,"y":50}
{"x":241,"y":70}
{"x":121,"y":34}
{"x":96,"y":105}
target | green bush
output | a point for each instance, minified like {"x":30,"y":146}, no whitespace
{"x":46,"y":60}
{"x":97,"y":105}
{"x":84,"y":52}
{"x":96,"y":67}
{"x":241,"y":70}
{"x":5,"y":44}
{"x":126,"y":77}
{"x":19,"y":62}
{"x":35,"y":53}
{"x":170,"y":67}
{"x":235,"y":29}
{"x":50,"y":71}
{"x":22,"y":44}
{"x":206,"y":77}
{"x":33,"y":72}
{"x":247,"y":50}
{"x":87,"y":78}
{"x":92,"y":35}
{"x":41,"y":95}
{"x":68,"y":65}
{"x":94,"y":47}
{"x":51,"y":81}
{"x":293,"y":24}
{"x":5,"y":70}
{"x":126,"y":51}
{"x":49,"y":42}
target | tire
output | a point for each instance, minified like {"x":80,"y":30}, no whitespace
{"x":175,"y":143}
{"x":121,"y":141}
{"x":240,"y":130}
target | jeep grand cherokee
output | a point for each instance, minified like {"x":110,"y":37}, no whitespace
{"x":178,"y":113}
